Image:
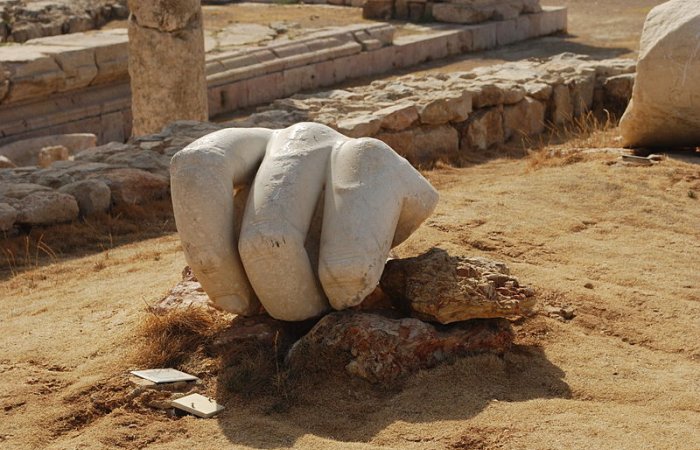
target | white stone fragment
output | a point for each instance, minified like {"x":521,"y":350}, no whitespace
{"x":159,"y":376}
{"x":198,"y":405}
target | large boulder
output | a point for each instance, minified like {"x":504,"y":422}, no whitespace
{"x":665,"y":106}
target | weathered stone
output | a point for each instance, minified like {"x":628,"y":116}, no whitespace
{"x":93,"y":196}
{"x":443,"y":288}
{"x":361,"y":126}
{"x":8,"y":215}
{"x":425,"y":145}
{"x":6,"y":163}
{"x":665,"y":106}
{"x":485,"y":129}
{"x":461,"y":13}
{"x":134,"y":186}
{"x":561,"y":107}
{"x":538,"y":91}
{"x":25,"y":152}
{"x":486,"y":94}
{"x":441,"y":108}
{"x":187,"y":293}
{"x":618,"y":91}
{"x":379,"y":349}
{"x":48,"y":155}
{"x":398,"y":117}
{"x":166,"y":64}
{"x":378,"y":9}
{"x":20,"y":190}
{"x":526,"y":118}
{"x":47,"y":207}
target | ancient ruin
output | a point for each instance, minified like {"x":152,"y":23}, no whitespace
{"x":290,"y":155}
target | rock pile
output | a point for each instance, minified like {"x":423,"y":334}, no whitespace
{"x":378,"y":342}
{"x":94,"y":179}
{"x":21,"y":20}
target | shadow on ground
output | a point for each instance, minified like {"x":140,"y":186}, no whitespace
{"x":352,"y":411}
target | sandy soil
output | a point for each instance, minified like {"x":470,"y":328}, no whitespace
{"x":624,"y":373}
{"x":620,"y":244}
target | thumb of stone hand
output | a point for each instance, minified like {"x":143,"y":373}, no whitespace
{"x":372,"y":200}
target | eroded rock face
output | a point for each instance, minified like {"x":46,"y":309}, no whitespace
{"x":380,"y":349}
{"x":442,"y":288}
{"x":665,"y":106}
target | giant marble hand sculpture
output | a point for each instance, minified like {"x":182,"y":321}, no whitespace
{"x":373,"y":199}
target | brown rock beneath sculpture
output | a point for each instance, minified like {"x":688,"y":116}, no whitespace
{"x":442,"y":288}
{"x":375,"y":341}
{"x":380,"y":349}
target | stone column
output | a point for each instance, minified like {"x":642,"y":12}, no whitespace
{"x":166,"y":63}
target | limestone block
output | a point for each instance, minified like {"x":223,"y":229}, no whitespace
{"x":361,"y":126}
{"x":32,"y":73}
{"x":538,"y":91}
{"x":512,"y":93}
{"x":506,"y":32}
{"x":484,"y":130}
{"x":47,"y":207}
{"x":582,"y":91}
{"x":561,"y":105}
{"x":8,"y":215}
{"x":48,"y":155}
{"x":25,"y":152}
{"x":487,"y":94}
{"x":20,"y":190}
{"x":441,"y":108}
{"x":618,"y":91}
{"x":483,"y":36}
{"x":378,"y":9}
{"x":93,"y":196}
{"x":553,"y":19}
{"x":461,"y":13}
{"x":665,"y":106}
{"x":434,"y":143}
{"x":524,"y":119}
{"x":134,"y":186}
{"x":398,"y":117}
{"x":531,"y":6}
{"x":6,"y":163}
{"x":167,"y":71}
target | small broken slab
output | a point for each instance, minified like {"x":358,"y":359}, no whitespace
{"x":159,"y":376}
{"x":442,"y":288}
{"x":382,"y":349}
{"x":198,"y":405}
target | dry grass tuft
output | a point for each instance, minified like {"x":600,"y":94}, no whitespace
{"x":563,"y":145}
{"x":37,"y":246}
{"x":178,"y":337}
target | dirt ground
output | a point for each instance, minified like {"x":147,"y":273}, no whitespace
{"x":621,"y":244}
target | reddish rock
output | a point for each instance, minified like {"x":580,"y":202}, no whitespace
{"x":188,"y":293}
{"x":382,"y":350}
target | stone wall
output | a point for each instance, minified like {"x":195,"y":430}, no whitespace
{"x":425,"y":118}
{"x":21,"y":20}
{"x":448,"y":11}
{"x":444,"y":116}
{"x":79,"y":83}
